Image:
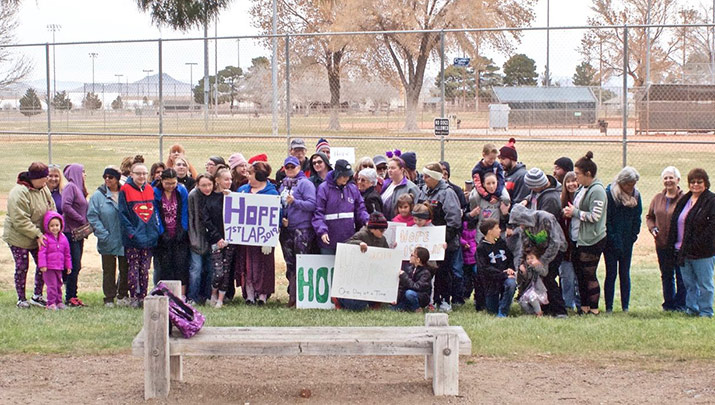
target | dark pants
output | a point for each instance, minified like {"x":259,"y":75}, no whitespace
{"x":458,"y":277}
{"x":556,"y":304}
{"x":295,"y":242}
{"x":110,"y":282}
{"x":173,"y":258}
{"x":70,"y":280}
{"x":673,"y":287}
{"x":618,"y":264}
{"x":353,"y":305}
{"x":443,"y":279}
{"x":585,"y":264}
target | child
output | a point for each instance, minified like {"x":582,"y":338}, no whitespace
{"x":486,"y":165}
{"x":531,"y":288}
{"x":54,"y":258}
{"x":415,"y":283}
{"x":422,"y":214}
{"x":405,"y":203}
{"x":468,"y":240}
{"x":494,"y":261}
{"x":482,"y":208}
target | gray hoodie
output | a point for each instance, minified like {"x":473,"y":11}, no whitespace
{"x":446,"y":210}
{"x":552,"y":241}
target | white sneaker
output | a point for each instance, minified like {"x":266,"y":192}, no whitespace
{"x":38,"y":301}
{"x":23,"y":304}
{"x":213,"y":302}
{"x":445,"y":307}
{"x":109,"y":305}
{"x":123,"y":302}
{"x":218,"y":304}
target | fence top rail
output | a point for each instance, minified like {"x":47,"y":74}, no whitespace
{"x":352,"y":33}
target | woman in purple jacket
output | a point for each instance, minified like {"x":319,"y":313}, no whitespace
{"x":339,"y":208}
{"x":74,"y":208}
{"x":297,"y":234}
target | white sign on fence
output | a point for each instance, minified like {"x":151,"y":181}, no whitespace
{"x":314,"y":274}
{"x":251,"y":219}
{"x":430,"y":237}
{"x":338,"y":152}
{"x":370,"y":276}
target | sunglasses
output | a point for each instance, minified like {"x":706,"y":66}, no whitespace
{"x":290,"y":167}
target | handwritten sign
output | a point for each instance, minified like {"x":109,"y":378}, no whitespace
{"x":432,"y":238}
{"x":251,"y":219}
{"x":370,"y":276}
{"x":313,"y":278}
{"x":342,"y":153}
{"x":391,"y":232}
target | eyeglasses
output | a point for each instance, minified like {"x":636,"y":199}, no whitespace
{"x":697,"y":181}
{"x":318,"y":162}
{"x":108,"y":177}
{"x":140,"y":173}
{"x":180,"y":165}
{"x":290,"y":167}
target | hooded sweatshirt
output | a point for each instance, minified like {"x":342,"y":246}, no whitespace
{"x":197,"y":230}
{"x":541,"y":230}
{"x":55,"y":255}
{"x":314,"y":176}
{"x":300,"y":212}
{"x":339,"y":211}
{"x":446,"y":210}
{"x":140,"y":222}
{"x":26,"y":208}
{"x":591,"y":212}
{"x":103,"y":215}
{"x":514,"y":183}
{"x":548,"y":199}
{"x":74,"y":198}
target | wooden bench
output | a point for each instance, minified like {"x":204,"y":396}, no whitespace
{"x":439,"y":343}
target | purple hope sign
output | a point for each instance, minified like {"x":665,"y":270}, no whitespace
{"x":251,"y":219}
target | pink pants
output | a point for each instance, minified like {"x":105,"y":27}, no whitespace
{"x":53,"y":281}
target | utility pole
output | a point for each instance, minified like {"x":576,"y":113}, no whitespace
{"x":54,"y":28}
{"x":274,"y":68}
{"x":93,"y":56}
{"x":119,"y":83}
{"x":647,"y":44}
{"x":191,"y":82}
{"x":548,"y":32}
{"x":238,"y":52}
{"x":146,"y":79}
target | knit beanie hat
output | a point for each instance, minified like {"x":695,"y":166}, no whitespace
{"x":535,"y":178}
{"x":113,"y":172}
{"x":377,"y":221}
{"x":322,"y":143}
{"x":446,"y":167}
{"x":37,"y":170}
{"x":218,"y":160}
{"x":410,"y":159}
{"x":509,"y":151}
{"x":258,"y":158}
{"x":235,"y":160}
{"x":564,"y":163}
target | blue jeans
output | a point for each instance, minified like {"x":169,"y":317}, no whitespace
{"x":458,"y":277}
{"x":569,"y":285}
{"x":354,"y":305}
{"x":327,"y":251}
{"x":70,"y":280}
{"x":499,"y":304}
{"x":698,"y":279}
{"x":410,"y":303}
{"x":618,"y":264}
{"x":200,"y":277}
{"x":672,"y":280}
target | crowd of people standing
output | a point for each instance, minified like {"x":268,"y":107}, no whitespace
{"x":511,"y":230}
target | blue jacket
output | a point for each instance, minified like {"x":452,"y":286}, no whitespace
{"x":140,"y":222}
{"x":103,"y":215}
{"x":338,"y":212}
{"x":182,"y":208}
{"x":299,"y":213}
{"x":622,"y":223}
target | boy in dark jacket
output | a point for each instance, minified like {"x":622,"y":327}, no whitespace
{"x":488,"y":164}
{"x":494,"y":266}
{"x":415,"y":283}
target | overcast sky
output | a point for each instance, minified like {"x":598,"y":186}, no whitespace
{"x":99,"y":20}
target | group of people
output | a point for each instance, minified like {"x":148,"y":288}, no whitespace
{"x":510,"y":231}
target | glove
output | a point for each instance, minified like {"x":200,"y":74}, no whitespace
{"x":266,"y":250}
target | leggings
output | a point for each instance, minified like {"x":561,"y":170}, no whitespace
{"x":139,"y":260}
{"x":222,"y":263}
{"x":585,"y":265}
{"x":22,"y":263}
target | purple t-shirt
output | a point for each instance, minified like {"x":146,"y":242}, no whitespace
{"x":170,"y":207}
{"x":681,"y":223}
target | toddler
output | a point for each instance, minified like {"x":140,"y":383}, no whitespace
{"x":531,"y":286}
{"x":54,"y":258}
{"x":488,"y":164}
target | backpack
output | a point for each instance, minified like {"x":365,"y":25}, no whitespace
{"x":182,"y":315}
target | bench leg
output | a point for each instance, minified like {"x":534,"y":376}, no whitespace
{"x":445,"y":355}
{"x":177,"y":369}
{"x":433,"y":320}
{"x":156,"y":347}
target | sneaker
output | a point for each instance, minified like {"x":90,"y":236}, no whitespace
{"x":191,"y":302}
{"x":135,"y":303}
{"x":23,"y":304}
{"x":260,"y":303}
{"x":109,"y":305}
{"x":218,"y":304}
{"x":123,"y":302}
{"x":445,"y":307}
{"x":38,"y":301}
{"x":75,"y":302}
{"x":430,"y":308}
{"x":213,"y":302}
{"x":61,"y":306}
{"x":51,"y":307}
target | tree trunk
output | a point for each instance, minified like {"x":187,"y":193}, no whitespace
{"x":334,"y":83}
{"x":412,"y":99}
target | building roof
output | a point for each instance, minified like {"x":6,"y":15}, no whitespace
{"x":544,"y":94}
{"x":679,"y":92}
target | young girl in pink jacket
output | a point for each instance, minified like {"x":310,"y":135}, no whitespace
{"x":54,"y":258}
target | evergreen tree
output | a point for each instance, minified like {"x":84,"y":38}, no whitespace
{"x":61,"y":102}
{"x":520,"y":70}
{"x":30,"y":104}
{"x":585,"y":75}
{"x":117,"y":104}
{"x":91,"y":102}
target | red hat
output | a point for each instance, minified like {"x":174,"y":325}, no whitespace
{"x":509,"y":151}
{"x":258,"y":158}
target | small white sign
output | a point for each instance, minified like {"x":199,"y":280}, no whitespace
{"x":432,"y":238}
{"x":370,"y":276}
{"x":342,"y":153}
{"x":314,"y":275}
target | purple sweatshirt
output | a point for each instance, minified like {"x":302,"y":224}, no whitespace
{"x":74,"y":200}
{"x":339,"y":212}
{"x":300,"y":212}
{"x":55,"y":255}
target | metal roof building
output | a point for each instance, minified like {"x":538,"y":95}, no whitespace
{"x":548,"y":106}
{"x":676,"y":107}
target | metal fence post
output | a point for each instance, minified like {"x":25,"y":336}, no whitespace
{"x":49,"y":104}
{"x":625,"y":95}
{"x":288,"y":106}
{"x":441,"y":75}
{"x":161,"y":103}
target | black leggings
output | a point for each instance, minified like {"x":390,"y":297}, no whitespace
{"x":585,"y":263}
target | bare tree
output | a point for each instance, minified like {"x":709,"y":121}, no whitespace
{"x":13,"y":67}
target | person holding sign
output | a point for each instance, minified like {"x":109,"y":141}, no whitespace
{"x":339,"y":208}
{"x":297,"y":235}
{"x":256,"y":264}
{"x":415,"y":283}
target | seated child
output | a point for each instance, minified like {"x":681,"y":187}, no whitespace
{"x":532,"y":292}
{"x":415,"y":283}
{"x":488,"y":164}
{"x":494,"y":261}
{"x":54,"y":258}
{"x":405,"y":203}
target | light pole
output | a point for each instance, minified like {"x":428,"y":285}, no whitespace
{"x":93,"y":56}
{"x":119,"y":84}
{"x":647,"y":45}
{"x":238,"y":52}
{"x":191,"y":82}
{"x":548,"y":32}
{"x":54,"y":28}
{"x":274,"y":69}
{"x":146,"y":78}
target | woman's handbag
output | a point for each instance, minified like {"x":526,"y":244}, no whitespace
{"x":82,"y":232}
{"x":181,"y":315}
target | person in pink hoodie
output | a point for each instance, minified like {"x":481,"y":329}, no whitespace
{"x":54,"y":258}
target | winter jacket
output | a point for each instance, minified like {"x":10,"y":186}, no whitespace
{"x":188,"y":182}
{"x":314,"y":177}
{"x":26,"y":208}
{"x":548,"y":200}
{"x":533,"y":276}
{"x":182,"y":211}
{"x":305,"y":167}
{"x":140,"y":222}
{"x":468,"y":240}
{"x":197,"y":230}
{"x":373,"y":201}
{"x":406,"y":186}
{"x":103,"y":215}
{"x":364,"y":235}
{"x":622,"y":223}
{"x":478,"y":172}
{"x":659,"y":215}
{"x":492,"y":260}
{"x":212,"y":216}
{"x":514,"y":183}
{"x":339,"y":211}
{"x":541,"y":230}
{"x":74,"y":200}
{"x":463,"y":203}
{"x":417,"y":279}
{"x":699,"y":233}
{"x":55,"y":255}
{"x":592,"y":212}
{"x":445,"y":210}
{"x":300,"y":212}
